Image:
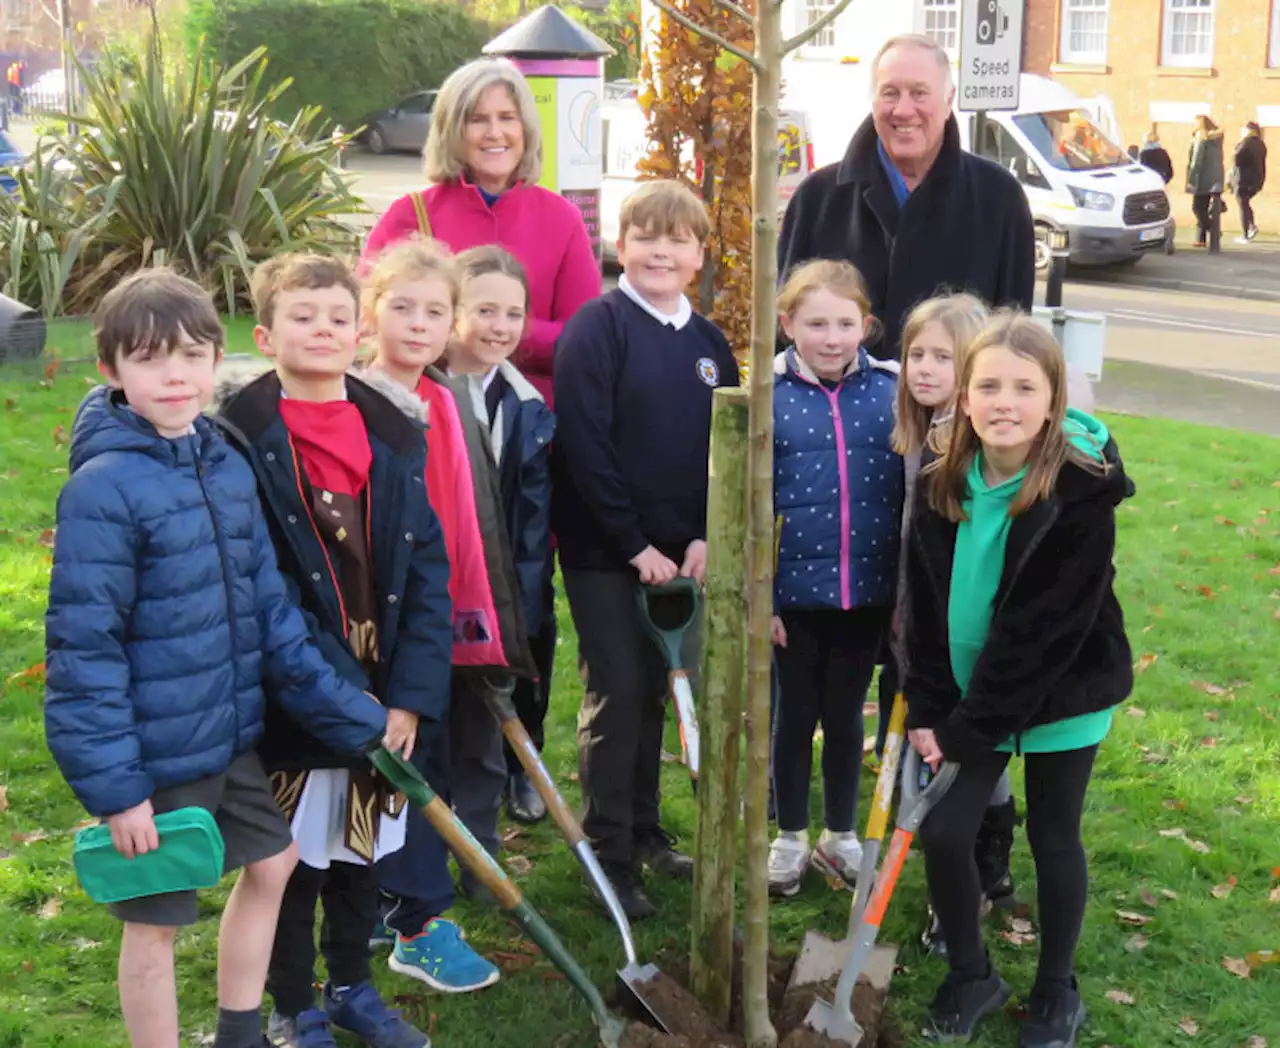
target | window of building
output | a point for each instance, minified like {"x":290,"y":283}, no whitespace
{"x":813,"y":10}
{"x":1188,"y":33}
{"x":1273,"y":50}
{"x":942,"y":23}
{"x":1084,"y":31}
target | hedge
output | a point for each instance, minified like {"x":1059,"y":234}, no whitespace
{"x":349,"y":57}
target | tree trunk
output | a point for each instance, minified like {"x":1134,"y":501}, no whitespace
{"x":723,"y":672}
{"x":764,"y":273}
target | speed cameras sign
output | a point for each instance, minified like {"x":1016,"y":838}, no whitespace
{"x":990,"y":54}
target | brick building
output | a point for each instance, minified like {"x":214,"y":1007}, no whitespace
{"x":1162,"y":62}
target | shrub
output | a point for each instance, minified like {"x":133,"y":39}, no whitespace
{"x":187,"y":171}
{"x":348,"y":57}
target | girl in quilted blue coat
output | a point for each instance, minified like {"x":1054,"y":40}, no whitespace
{"x":838,"y":491}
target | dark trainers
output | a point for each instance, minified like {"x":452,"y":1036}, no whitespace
{"x":523,"y":803}
{"x":1055,"y":1014}
{"x":655,"y":850}
{"x":359,"y":1010}
{"x":635,"y":904}
{"x":960,"y":1003}
{"x":991,"y":850}
{"x":309,"y":1029}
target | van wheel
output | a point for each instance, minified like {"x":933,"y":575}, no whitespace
{"x":1042,"y":249}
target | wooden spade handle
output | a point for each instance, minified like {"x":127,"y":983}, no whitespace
{"x":527,"y":753}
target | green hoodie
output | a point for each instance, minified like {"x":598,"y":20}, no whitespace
{"x":976,"y":568}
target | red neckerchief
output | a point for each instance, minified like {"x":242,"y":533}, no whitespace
{"x":332,"y":444}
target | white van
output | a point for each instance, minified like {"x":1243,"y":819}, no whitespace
{"x":1077,"y":180}
{"x":623,"y":126}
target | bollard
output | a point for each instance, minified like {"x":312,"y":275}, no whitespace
{"x":1058,"y":241}
{"x":340,"y":146}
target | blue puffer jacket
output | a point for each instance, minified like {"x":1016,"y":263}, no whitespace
{"x":166,"y":614}
{"x":837,"y":485}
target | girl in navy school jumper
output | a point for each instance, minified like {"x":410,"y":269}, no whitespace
{"x":838,"y":491}
{"x":493,"y":308}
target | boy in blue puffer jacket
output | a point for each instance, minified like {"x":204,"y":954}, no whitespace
{"x":167,"y":615}
{"x":838,"y":490}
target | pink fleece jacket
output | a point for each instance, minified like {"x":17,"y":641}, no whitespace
{"x":542,"y":229}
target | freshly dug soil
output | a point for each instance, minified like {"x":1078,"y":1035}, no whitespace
{"x":693,"y":1027}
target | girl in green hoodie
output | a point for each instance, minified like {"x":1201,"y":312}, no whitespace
{"x":1015,"y":644}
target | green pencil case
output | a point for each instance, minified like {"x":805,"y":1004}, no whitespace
{"x":190,"y":856}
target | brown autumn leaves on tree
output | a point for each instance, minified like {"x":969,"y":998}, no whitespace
{"x":698,"y":102}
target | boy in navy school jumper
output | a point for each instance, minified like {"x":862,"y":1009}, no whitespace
{"x":634,"y":374}
{"x":167,"y":618}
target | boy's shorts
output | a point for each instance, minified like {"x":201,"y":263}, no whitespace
{"x":253,"y":829}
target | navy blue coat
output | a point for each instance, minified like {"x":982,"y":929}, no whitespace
{"x":837,"y":485}
{"x":167,"y":614}
{"x":410,"y":566}
{"x":524,"y":476}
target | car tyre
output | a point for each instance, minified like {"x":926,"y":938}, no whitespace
{"x":376,"y":140}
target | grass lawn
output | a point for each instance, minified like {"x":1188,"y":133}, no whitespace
{"x":1181,"y":822}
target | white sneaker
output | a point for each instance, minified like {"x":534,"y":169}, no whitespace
{"x":788,"y":859}
{"x":1242,"y":240}
{"x":839,"y":855}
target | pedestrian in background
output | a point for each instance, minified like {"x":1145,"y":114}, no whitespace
{"x":1205,"y":177}
{"x":1248,"y":175}
{"x":1155,"y":156}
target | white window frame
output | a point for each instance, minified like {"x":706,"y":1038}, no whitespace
{"x":1175,"y":11}
{"x":808,"y":12}
{"x":1072,"y":10}
{"x":1273,"y":47}
{"x":948,"y":38}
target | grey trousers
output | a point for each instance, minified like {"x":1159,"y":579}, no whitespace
{"x":477,"y":768}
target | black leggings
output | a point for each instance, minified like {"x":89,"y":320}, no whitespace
{"x":1246,"y":211}
{"x":824,"y":672}
{"x":1056,"y":784}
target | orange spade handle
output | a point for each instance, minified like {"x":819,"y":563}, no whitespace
{"x":888,"y":878}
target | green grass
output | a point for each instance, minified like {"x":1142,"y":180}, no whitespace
{"x":1197,"y":551}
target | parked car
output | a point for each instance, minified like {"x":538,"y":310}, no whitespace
{"x":403,"y":126}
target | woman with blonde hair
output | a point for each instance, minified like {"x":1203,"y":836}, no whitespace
{"x":1205,"y":175}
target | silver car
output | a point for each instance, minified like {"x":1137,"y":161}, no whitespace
{"x":403,"y":126}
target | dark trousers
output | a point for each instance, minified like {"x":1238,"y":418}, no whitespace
{"x":1201,"y":208}
{"x":477,"y":769}
{"x":1246,"y":211}
{"x":415,"y":881}
{"x":621,"y":719}
{"x":349,"y":896}
{"x":532,"y":698}
{"x":1056,"y":785}
{"x":824,"y":672}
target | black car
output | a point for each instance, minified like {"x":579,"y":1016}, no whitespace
{"x":403,"y":126}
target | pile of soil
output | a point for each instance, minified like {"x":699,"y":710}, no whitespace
{"x":693,"y":1027}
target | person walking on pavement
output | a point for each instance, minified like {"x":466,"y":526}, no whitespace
{"x":1248,"y":176}
{"x":1205,"y":176}
{"x":1155,"y":156}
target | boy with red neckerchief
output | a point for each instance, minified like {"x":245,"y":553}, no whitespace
{"x":340,"y":474}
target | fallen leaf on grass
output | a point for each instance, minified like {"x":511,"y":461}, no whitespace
{"x":1275,"y":894}
{"x":1145,"y":662}
{"x":10,"y":404}
{"x":1211,"y":715}
{"x":1149,"y":899}
{"x":1198,"y":846}
{"x":1258,"y":958}
{"x":1136,"y":943}
{"x":432,"y":1020}
{"x":35,"y":672}
{"x":1129,"y":917}
{"x":47,"y":538}
{"x":30,"y":837}
{"x":1121,"y":997}
{"x":1209,"y":742}
{"x":85,"y":944}
{"x":1149,"y":756}
{"x":1180,"y":833}
{"x":4,"y":798}
{"x":59,"y":435}
{"x":1226,"y":522}
{"x":1135,"y":711}
{"x":511,"y":834}
{"x":510,"y":962}
{"x":1221,"y":891}
{"x":1242,"y":799}
{"x":1205,"y":591}
{"x":1189,"y":1026}
{"x":1174,"y":805}
{"x":1237,"y":966}
{"x":1168,"y":893}
{"x":1209,"y":689}
{"x":552,"y":976}
{"x":1017,"y":938}
{"x":518,"y":864}
{"x":51,"y":907}
{"x":573,"y":776}
{"x":1019,"y":925}
{"x":1274,"y":571}
{"x":1256,"y":1041}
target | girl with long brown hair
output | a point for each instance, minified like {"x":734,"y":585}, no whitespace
{"x":1015,"y":644}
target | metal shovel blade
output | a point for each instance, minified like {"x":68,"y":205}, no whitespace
{"x":837,"y":1022}
{"x":631,"y":984}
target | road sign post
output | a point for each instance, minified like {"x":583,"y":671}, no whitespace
{"x":990,"y":55}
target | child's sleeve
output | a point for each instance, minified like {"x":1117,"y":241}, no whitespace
{"x":929,"y":685}
{"x":331,"y":708}
{"x":531,"y":549}
{"x":587,"y":365}
{"x":88,"y":708}
{"x":420,"y":673}
{"x":1037,"y":635}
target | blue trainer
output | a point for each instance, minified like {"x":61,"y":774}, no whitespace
{"x":441,"y":958}
{"x":359,"y":1010}
{"x":310,"y":1029}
